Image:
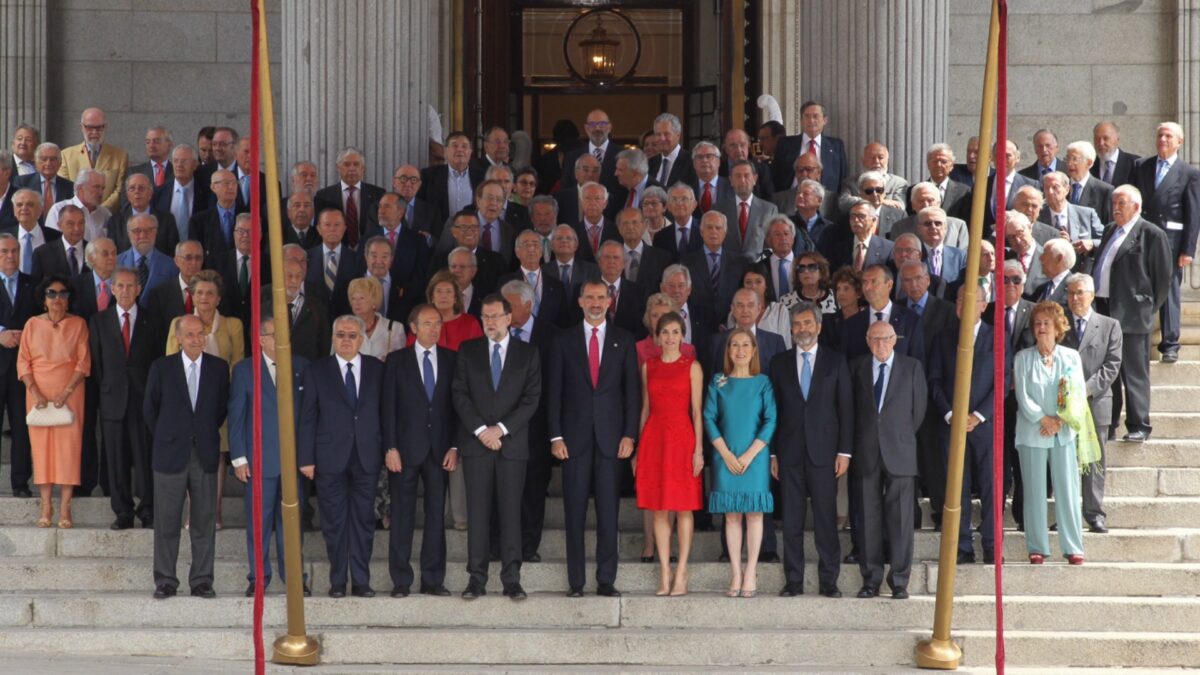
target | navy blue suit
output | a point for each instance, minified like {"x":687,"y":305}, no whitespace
{"x":343,"y":440}
{"x":910,"y":335}
{"x":13,"y":315}
{"x":350,"y":266}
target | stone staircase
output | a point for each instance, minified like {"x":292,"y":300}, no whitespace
{"x":87,"y":591}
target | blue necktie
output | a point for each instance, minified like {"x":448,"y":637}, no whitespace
{"x":27,"y":254}
{"x":1076,"y":189}
{"x":783,"y":278}
{"x":427,"y":371}
{"x":245,"y":188}
{"x":227,"y":226}
{"x":1163,"y":168}
{"x":879,"y":386}
{"x":496,"y":366}
{"x":351,"y":386}
{"x":806,"y":374}
{"x":11,"y":284}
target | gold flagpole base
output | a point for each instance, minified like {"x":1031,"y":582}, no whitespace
{"x":297,"y":650}
{"x":939,"y":654}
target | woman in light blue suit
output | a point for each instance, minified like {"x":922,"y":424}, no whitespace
{"x":1043,"y":437}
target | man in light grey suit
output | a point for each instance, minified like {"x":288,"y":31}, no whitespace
{"x":1029,"y":201}
{"x":875,"y":158}
{"x":871,"y":185}
{"x":746,"y":212}
{"x":889,"y":405}
{"x":1081,"y":223}
{"x":807,"y":167}
{"x":926,"y":195}
{"x":1057,"y":260}
{"x":1022,"y":247}
{"x":1099,"y":341}
{"x":1086,"y":189}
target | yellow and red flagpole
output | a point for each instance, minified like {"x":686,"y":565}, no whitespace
{"x":256,"y":519}
{"x":296,"y":647}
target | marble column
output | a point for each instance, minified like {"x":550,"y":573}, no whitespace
{"x":881,"y":67}
{"x":22,"y":65}
{"x":1188,"y":76}
{"x":357,"y":73}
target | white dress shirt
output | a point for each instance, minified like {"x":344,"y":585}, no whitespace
{"x":491,"y":348}
{"x":357,"y":362}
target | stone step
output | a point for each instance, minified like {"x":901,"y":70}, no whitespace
{"x":550,"y":610}
{"x":635,"y":647}
{"x":1118,"y":545}
{"x":1181,"y":373}
{"x":1168,"y":425}
{"x":1150,"y":482}
{"x":1092,"y":579}
{"x":1157,"y":452}
{"x":1175,"y":399}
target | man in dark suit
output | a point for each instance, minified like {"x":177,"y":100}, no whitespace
{"x":709,"y":187}
{"x":627,"y":299}
{"x":549,"y":294}
{"x":865,"y":248}
{"x":138,"y":190}
{"x":682,"y":236}
{"x":907,"y":248}
{"x":184,"y":407}
{"x":835,"y":168}
{"x":877,"y":282}
{"x":889,"y":404}
{"x":644,"y":264}
{"x":241,"y":448}
{"x":497,"y":383}
{"x":1114,"y":165}
{"x":812,"y":448}
{"x":236,"y":269}
{"x":977,"y":464}
{"x":1084,"y":189}
{"x":157,"y":167}
{"x":568,"y":268}
{"x":599,"y":147}
{"x":339,"y":448}
{"x":7,"y":218}
{"x":630,"y":183}
{"x":213,"y":227}
{"x":301,"y":227}
{"x":1170,"y":190}
{"x":418,"y":432}
{"x":93,"y":285}
{"x":185,"y":195}
{"x":673,"y":163}
{"x":48,"y":159}
{"x":701,"y":322}
{"x":310,"y":330}
{"x":812,"y":228}
{"x":594,"y":228}
{"x":1045,"y":147}
{"x":945,"y":261}
{"x":1013,"y":181}
{"x":401,"y":266}
{"x":64,"y":257}
{"x":16,"y":306}
{"x":28,"y":231}
{"x":418,"y":215}
{"x":716,"y":268}
{"x":450,"y":187}
{"x":465,"y":232}
{"x":587,"y":170}
{"x":965,"y":171}
{"x":497,"y":145}
{"x":495,"y":235}
{"x":125,"y":340}
{"x":1098,"y":340}
{"x":172,"y":298}
{"x":1134,"y":264}
{"x":334,"y":263}
{"x":357,"y":200}
{"x":737,"y":149}
{"x":593,"y":408}
{"x":955,"y":197}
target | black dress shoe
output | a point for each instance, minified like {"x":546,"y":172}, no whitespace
{"x":575,"y":593}
{"x":792,"y":590}
{"x":724,"y":557}
{"x":1097,"y":526}
{"x":989,"y":558}
{"x":1112,"y":433}
{"x":831,"y":592}
{"x":163,"y":591}
{"x":121,"y":524}
{"x":1054,"y":527}
{"x":307,"y":591}
{"x":647,"y":558}
{"x":338,"y":591}
{"x":900,"y":594}
{"x":532,"y":558}
{"x":307,"y":525}
{"x":439,"y":591}
{"x":362,"y":591}
{"x":868,"y":592}
{"x":250,"y":590}
{"x":769,"y":557}
{"x":1169,"y":357}
{"x":399,"y":592}
{"x":515,"y":592}
{"x":22,"y":492}
{"x":148,"y":523}
{"x":850,"y":559}
{"x":204,"y":591}
{"x":1138,"y":436}
{"x":473,"y":591}
{"x":608,"y":591}
{"x":966,"y":558}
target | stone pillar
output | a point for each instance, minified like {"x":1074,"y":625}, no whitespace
{"x":881,"y":69}
{"x":1188,"y":76}
{"x":357,"y":74}
{"x":22,"y":65}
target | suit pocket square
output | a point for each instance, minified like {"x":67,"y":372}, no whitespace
{"x":1172,"y":225}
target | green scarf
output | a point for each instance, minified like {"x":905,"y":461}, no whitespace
{"x":1073,"y":409}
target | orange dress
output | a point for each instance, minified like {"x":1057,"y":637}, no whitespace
{"x":52,"y":354}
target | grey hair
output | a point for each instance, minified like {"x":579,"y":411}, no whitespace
{"x":1085,"y":280}
{"x":346,"y":152}
{"x":1063,"y":249}
{"x":147,"y":216}
{"x":780,"y":218}
{"x":567,"y":230}
{"x":490,"y":174}
{"x":806,"y":306}
{"x":297,"y":165}
{"x":82,"y":177}
{"x":677,"y":268}
{"x":544,"y":199}
{"x":717,"y":216}
{"x":603,"y":190}
{"x":1014,"y":267}
{"x":463,"y":249}
{"x":46,"y":146}
{"x":90,"y":250}
{"x":871,"y":210}
{"x":813,"y":185}
{"x":519,"y":288}
{"x":1130,"y":191}
{"x":940,"y":148}
{"x":656,"y":192}
{"x":870,"y":175}
{"x":676,"y":126}
{"x":183,"y":146}
{"x":915,"y":263}
{"x":706,"y":144}
{"x":350,"y":318}
{"x":36,"y":195}
{"x":636,"y":160}
{"x":1059,"y":176}
{"x":1084,"y":148}
{"x":166,"y":132}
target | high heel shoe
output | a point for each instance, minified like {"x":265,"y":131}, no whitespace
{"x":749,"y":592}
{"x":735,"y":588}
{"x":65,"y":522}
{"x":47,"y":516}
{"x":1036,"y":558}
{"x":647,"y":558}
{"x":664,"y":589}
{"x":679,"y":587}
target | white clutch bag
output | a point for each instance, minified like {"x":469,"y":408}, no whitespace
{"x":50,"y":416}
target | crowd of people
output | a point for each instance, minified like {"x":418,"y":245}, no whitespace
{"x":754,"y":329}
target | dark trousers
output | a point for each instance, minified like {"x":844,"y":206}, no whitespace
{"x":200,"y":488}
{"x":977,"y":474}
{"x":491,"y":478}
{"x":129,"y":464}
{"x":347,"y":502}
{"x":93,"y":462}
{"x":12,"y":402}
{"x":931,"y":463}
{"x":887,"y":503}
{"x":585,"y":475}
{"x":533,"y":497}
{"x":403,"y":489}
{"x":1132,"y":388}
{"x":1169,"y":315}
{"x":1012,"y":461}
{"x":272,"y":526}
{"x":799,"y":484}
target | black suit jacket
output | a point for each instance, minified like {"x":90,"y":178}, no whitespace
{"x":608,"y":165}
{"x":568,"y":204}
{"x":513,"y":404}
{"x":581,"y":270}
{"x":311,"y":329}
{"x":1020,"y":180}
{"x":886,"y":439}
{"x":489,"y":267}
{"x":330,"y":427}
{"x":177,"y":429}
{"x":1122,"y":171}
{"x":205,"y":227}
{"x":821,"y":427}
{"x":943,"y":365}
{"x":233,"y":303}
{"x":13,"y":315}
{"x":667,"y":240}
{"x":147,"y":170}
{"x":593,"y":418}
{"x":83,"y":300}
{"x":608,"y":232}
{"x":7,"y":217}
{"x":1140,"y":275}
{"x":122,"y":379}
{"x":1175,"y":200}
{"x":165,"y":301}
{"x":117,"y":229}
{"x":63,"y":188}
{"x":910,"y":337}
{"x":412,"y":423}
{"x":729,"y":281}
{"x":835,"y":168}
{"x":553,"y":307}
{"x":409,"y":270}
{"x":1034,"y":171}
{"x":161,"y":201}
{"x":630,"y":309}
{"x":1097,"y":195}
{"x":938,"y":315}
{"x":330,"y":197}
{"x":764,"y":187}
{"x":310,"y":239}
{"x":435,"y":186}
{"x":682,"y":171}
{"x":350,"y":266}
{"x":48,"y":260}
{"x":650,"y":269}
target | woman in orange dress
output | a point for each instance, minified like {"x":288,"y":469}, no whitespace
{"x":52,"y":362}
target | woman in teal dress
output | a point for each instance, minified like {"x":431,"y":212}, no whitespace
{"x":739,"y":417}
{"x":1043,"y":437}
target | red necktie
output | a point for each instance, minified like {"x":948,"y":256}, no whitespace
{"x":594,"y":237}
{"x":392,"y":238}
{"x":125,"y":331}
{"x":629,"y":202}
{"x":187,"y":302}
{"x":812,"y":147}
{"x":594,"y":357}
{"x":743,"y":219}
{"x":706,"y":198}
{"x":102,"y":297}
{"x":351,"y":218}
{"x":158,"y":174}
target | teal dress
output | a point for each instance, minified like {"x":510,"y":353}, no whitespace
{"x":740,"y":410}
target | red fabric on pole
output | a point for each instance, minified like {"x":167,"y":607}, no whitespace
{"x":998,"y":398}
{"x":260,"y":665}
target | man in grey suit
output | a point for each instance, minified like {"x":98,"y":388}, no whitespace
{"x":926,"y":195}
{"x":807,"y":167}
{"x":1081,"y":224}
{"x":864,"y":248}
{"x":749,"y":211}
{"x":875,"y":158}
{"x":1023,"y":247}
{"x":1056,"y":260}
{"x":889,"y":405}
{"x":956,"y":196}
{"x":1085,"y":189}
{"x":644,"y":264}
{"x":1098,"y":340}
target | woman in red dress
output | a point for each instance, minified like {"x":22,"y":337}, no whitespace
{"x":670,"y":457}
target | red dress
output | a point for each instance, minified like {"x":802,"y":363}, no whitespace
{"x":664,"y":458}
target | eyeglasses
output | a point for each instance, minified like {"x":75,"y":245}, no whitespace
{"x":346,"y":335}
{"x":597,"y":125}
{"x":57,"y":295}
{"x":408,"y":180}
{"x":873,"y":191}
{"x":95,"y":127}
{"x":808,"y":267}
{"x":143,"y":230}
{"x":1015,"y":281}
{"x":195,"y":257}
{"x":705,"y":156}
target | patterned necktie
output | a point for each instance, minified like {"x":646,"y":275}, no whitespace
{"x":598,"y":155}
{"x":935,"y":262}
{"x":594,"y":237}
{"x":1079,"y":325}
{"x":714,"y":271}
{"x":331,"y":270}
{"x":497,"y":366}
{"x":102,"y":296}
{"x":427,"y":374}
{"x":878,"y":317}
{"x":485,"y":241}
{"x":635,"y":263}
{"x":351,"y":217}
{"x":860,"y":255}
{"x":706,"y":198}
{"x":784,"y":288}
{"x":1108,"y":171}
{"x":245,"y":184}
{"x":612,"y":296}
{"x":812,"y":147}
{"x":532,"y":278}
{"x":743,"y":219}
{"x":1163,"y":168}
{"x":351,"y":385}
{"x":143,"y":267}
{"x":158,"y":174}
{"x":805,"y":374}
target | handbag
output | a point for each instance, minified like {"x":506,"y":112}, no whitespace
{"x":50,"y":416}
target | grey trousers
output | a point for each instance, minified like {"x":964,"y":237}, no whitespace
{"x":170,"y":490}
{"x":1093,"y":481}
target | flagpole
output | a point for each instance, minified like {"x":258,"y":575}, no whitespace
{"x":940,"y":651}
